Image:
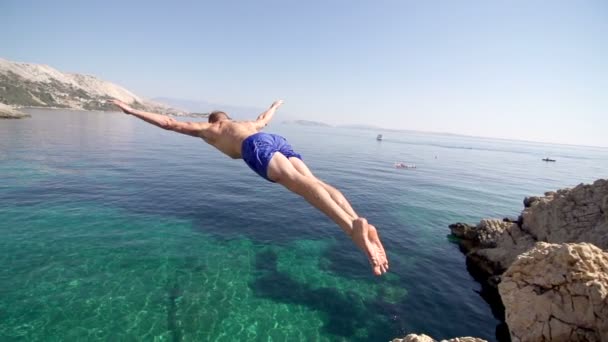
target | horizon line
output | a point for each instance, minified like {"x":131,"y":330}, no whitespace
{"x":371,"y":127}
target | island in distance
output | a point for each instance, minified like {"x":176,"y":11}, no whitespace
{"x":307,"y":123}
{"x":323,"y":124}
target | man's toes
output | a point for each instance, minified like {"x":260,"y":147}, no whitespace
{"x":382,"y":262}
{"x":377,"y":264}
{"x":378,"y":270}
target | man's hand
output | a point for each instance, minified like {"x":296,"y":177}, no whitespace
{"x":265,"y":117}
{"x":123,"y":106}
{"x":276,"y":104}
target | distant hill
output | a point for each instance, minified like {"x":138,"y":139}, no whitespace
{"x":37,"y":85}
{"x":306,"y":123}
{"x":197,"y":106}
{"x":360,"y":126}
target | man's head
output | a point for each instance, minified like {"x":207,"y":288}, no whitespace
{"x":217,"y":115}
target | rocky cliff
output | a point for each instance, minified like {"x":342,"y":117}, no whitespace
{"x":572,"y":215}
{"x":557,"y":292}
{"x":550,"y":266}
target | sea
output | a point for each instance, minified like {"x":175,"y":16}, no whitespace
{"x":115,"y":230}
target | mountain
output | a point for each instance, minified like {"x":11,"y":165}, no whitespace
{"x":37,"y":85}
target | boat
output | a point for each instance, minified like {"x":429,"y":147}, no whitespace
{"x":401,"y":165}
{"x":548,"y":160}
{"x":379,"y":137}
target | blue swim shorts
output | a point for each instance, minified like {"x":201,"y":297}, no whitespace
{"x":258,"y":149}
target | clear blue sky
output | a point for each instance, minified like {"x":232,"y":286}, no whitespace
{"x":533,"y":70}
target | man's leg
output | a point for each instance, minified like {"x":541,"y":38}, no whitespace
{"x":339,"y":198}
{"x":335,"y":194}
{"x":281,"y":170}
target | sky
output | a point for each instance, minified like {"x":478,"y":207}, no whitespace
{"x":529,"y":70}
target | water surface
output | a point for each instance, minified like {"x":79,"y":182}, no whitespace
{"x":113,"y":229}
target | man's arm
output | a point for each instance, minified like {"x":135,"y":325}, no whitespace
{"x":165,"y":122}
{"x":265,"y":117}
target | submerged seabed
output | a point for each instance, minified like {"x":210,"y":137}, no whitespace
{"x":127,"y":276}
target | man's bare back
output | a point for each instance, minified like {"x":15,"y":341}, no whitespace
{"x":228,"y":136}
{"x":273,"y":158}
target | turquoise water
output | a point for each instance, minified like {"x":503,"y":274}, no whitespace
{"x":114,"y":230}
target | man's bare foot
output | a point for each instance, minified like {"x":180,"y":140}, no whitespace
{"x":374,"y":238}
{"x":360,"y":237}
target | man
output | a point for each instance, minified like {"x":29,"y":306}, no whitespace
{"x":271,"y":157}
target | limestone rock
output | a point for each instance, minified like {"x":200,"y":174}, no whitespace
{"x":484,"y":235}
{"x":557,"y":292}
{"x":463,"y":231}
{"x":550,"y":292}
{"x":493,"y":244}
{"x":508,"y":245}
{"x":426,"y":338}
{"x":529,"y":201}
{"x":489,"y":230}
{"x":564,"y":216}
{"x":571,"y":215}
{"x":8,"y":112}
{"x":415,"y":338}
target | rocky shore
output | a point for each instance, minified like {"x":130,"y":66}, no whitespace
{"x":426,"y":338}
{"x":549,"y":266}
{"x":8,"y":112}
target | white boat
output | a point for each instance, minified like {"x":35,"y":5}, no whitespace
{"x":379,"y":137}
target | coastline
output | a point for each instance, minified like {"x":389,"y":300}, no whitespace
{"x":189,"y":115}
{"x":9,"y":112}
